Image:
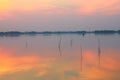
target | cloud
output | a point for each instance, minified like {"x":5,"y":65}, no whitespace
{"x":89,"y":7}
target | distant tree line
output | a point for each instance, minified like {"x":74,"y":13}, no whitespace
{"x":17,"y":33}
{"x":119,"y":31}
{"x":105,"y":32}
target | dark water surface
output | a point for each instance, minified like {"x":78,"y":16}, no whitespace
{"x":60,"y":57}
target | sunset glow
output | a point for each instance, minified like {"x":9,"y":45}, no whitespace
{"x":11,"y":64}
{"x":48,"y":14}
{"x":59,"y":39}
{"x":84,"y":7}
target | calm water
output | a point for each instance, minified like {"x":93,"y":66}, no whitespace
{"x":60,"y":57}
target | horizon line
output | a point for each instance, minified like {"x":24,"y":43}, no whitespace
{"x":61,"y":30}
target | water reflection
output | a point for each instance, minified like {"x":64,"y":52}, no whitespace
{"x":99,"y":51}
{"x":59,"y":46}
{"x":71,"y":42}
{"x":81,"y":57}
{"x":41,"y":61}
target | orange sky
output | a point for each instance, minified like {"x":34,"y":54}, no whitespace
{"x":17,"y":14}
{"x":84,"y":7}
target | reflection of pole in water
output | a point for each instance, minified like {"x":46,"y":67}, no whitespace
{"x":81,"y":57}
{"x":99,"y":51}
{"x":26,"y":45}
{"x":59,"y":46}
{"x":71,"y":42}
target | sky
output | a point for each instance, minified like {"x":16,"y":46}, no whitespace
{"x":59,"y":15}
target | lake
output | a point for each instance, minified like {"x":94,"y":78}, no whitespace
{"x":60,"y":57}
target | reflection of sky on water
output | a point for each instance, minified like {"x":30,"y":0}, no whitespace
{"x":40,"y":59}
